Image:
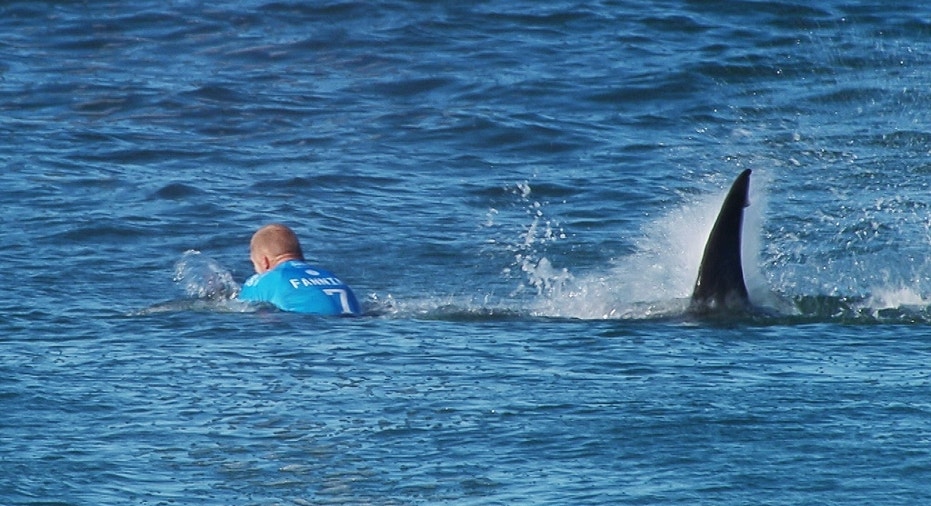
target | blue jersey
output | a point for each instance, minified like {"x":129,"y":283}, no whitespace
{"x":300,"y":287}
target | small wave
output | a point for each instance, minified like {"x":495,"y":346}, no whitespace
{"x":176,"y":191}
{"x":444,"y":308}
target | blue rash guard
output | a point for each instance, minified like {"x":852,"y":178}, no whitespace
{"x":300,"y":287}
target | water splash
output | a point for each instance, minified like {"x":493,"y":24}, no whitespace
{"x":796,"y":269}
{"x":896,"y":297}
{"x":208,"y":287}
{"x":656,"y":280}
{"x":528,"y":247}
{"x":202,"y":277}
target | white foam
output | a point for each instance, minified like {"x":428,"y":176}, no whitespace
{"x":658,"y":278}
{"x":202,"y":277}
{"x":896,"y":297}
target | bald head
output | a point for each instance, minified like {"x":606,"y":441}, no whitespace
{"x":273,"y":244}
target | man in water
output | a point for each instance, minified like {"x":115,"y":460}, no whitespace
{"x":288,"y":282}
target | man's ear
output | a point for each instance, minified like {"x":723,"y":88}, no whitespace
{"x":266,"y":263}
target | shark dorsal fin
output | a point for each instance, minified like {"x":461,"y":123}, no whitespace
{"x":720,"y":284}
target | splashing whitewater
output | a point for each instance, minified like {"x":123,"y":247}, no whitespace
{"x":202,"y":277}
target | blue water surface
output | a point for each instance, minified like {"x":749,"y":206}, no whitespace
{"x":519,"y":192}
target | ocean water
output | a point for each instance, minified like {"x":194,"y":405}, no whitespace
{"x":519,"y":192}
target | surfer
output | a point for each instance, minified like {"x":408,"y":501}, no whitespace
{"x":284,"y":279}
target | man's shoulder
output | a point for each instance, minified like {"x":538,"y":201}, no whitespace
{"x":252,"y":280}
{"x":257,"y":287}
{"x":304,"y":268}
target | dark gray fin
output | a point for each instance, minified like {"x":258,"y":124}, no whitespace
{"x":720,"y":284}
